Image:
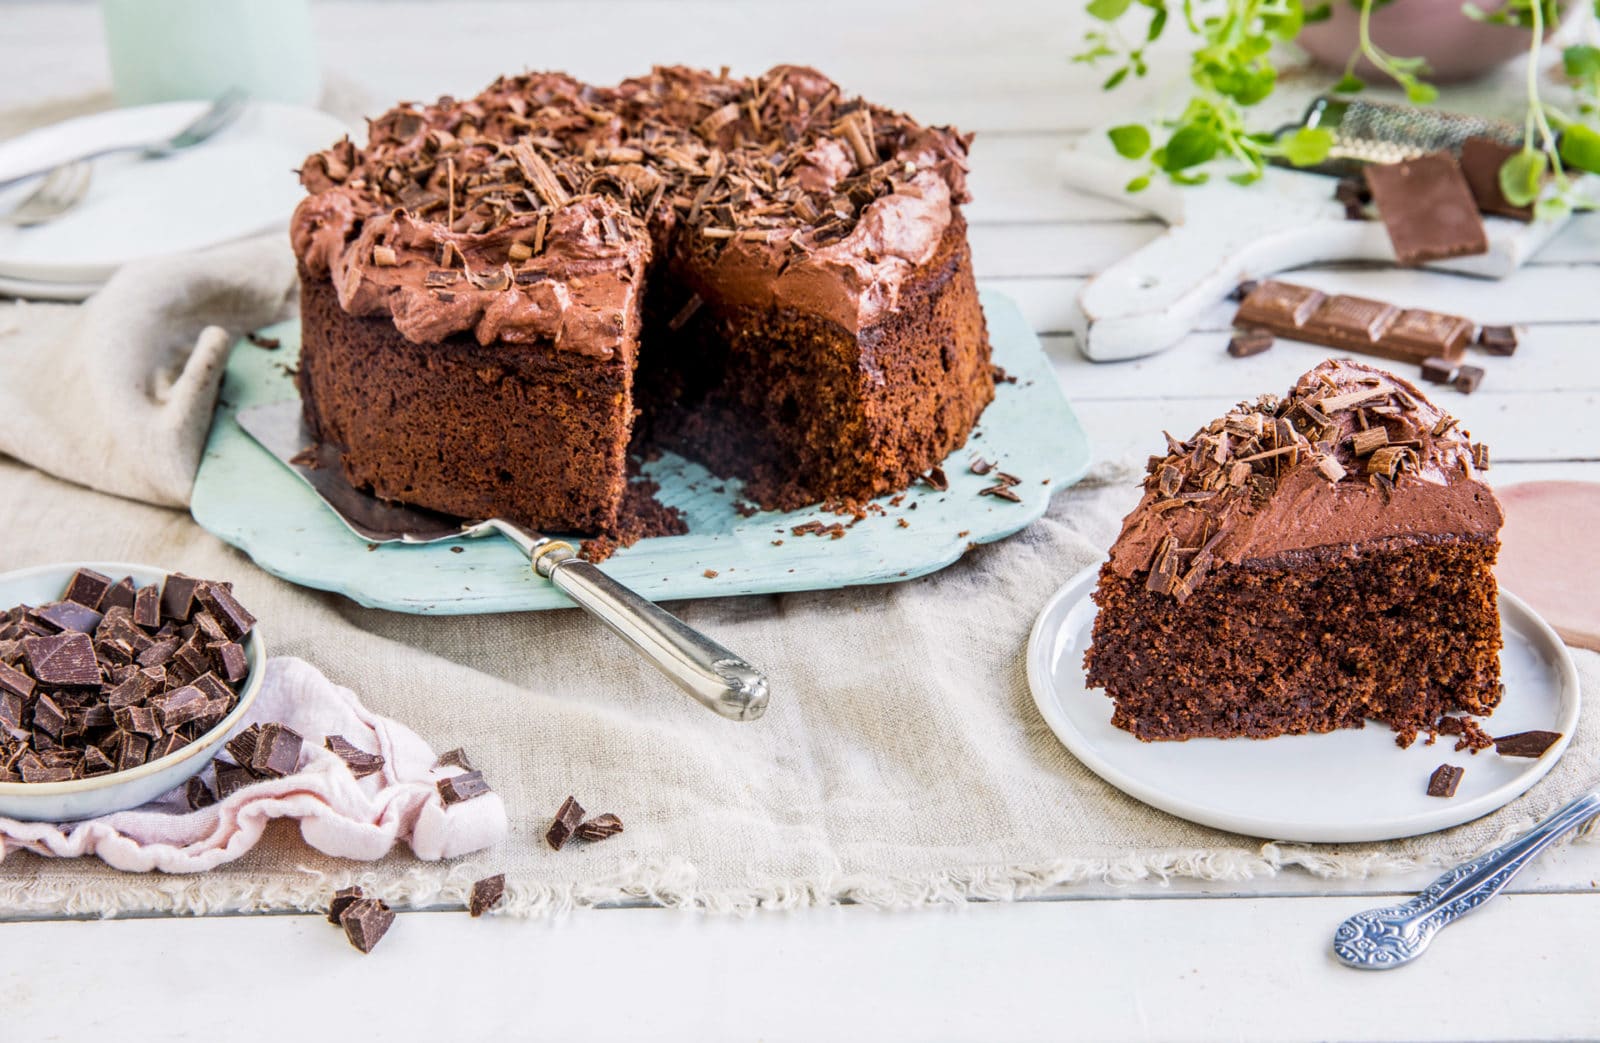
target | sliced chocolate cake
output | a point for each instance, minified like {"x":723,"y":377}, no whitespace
{"x":1302,"y":564}
{"x":501,"y":294}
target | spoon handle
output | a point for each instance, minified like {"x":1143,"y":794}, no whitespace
{"x":1388,"y":937}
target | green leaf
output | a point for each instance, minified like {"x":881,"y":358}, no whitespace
{"x":1522,"y":176}
{"x":1349,"y":83}
{"x":1131,"y":140}
{"x":1115,"y":78}
{"x":1158,"y":22}
{"x":1138,"y":184}
{"x":1245,"y":178}
{"x":1419,"y":93}
{"x":1108,"y":10}
{"x":1323,"y":11}
{"x":1551,"y":209}
{"x":1189,"y":146}
{"x":1581,"y":61}
{"x":1199,"y":177}
{"x":1307,"y":146}
{"x":1580,"y":147}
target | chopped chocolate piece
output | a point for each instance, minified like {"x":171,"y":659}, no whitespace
{"x":141,"y":720}
{"x":458,"y":788}
{"x":192,"y":658}
{"x":360,"y":762}
{"x":277,"y":751}
{"x":1444,"y":780}
{"x":979,"y":465}
{"x":230,"y":660}
{"x":1468,"y":378}
{"x":159,"y":653}
{"x":1498,"y":340}
{"x":136,"y":689}
{"x":132,"y":750}
{"x":15,"y":681}
{"x":199,"y":794}
{"x":343,"y":899}
{"x":211,"y":714}
{"x":62,"y":659}
{"x":1428,"y":209}
{"x":1481,"y":160}
{"x":230,"y":779}
{"x":147,"y":608}
{"x":486,"y":894}
{"x":1353,"y":323}
{"x":48,"y":716}
{"x":272,"y":343}
{"x":87,"y":588}
{"x":599,"y":828}
{"x":35,"y":770}
{"x":1250,"y":342}
{"x":1243,"y":290}
{"x":456,"y":757}
{"x":167,"y":744}
{"x":177,"y":596}
{"x":1480,"y":456}
{"x":220,"y":602}
{"x":567,"y":821}
{"x":208,"y":628}
{"x":69,"y":615}
{"x":1525,"y":744}
{"x":365,"y":922}
{"x":121,"y":595}
{"x":242,"y":747}
{"x":11,"y":710}
{"x":211,"y":687}
{"x":95,"y":762}
{"x":1439,"y":371}
{"x":180,"y":706}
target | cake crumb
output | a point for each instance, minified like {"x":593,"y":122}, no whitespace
{"x":710,"y":574}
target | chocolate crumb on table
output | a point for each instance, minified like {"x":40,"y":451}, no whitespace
{"x":267,"y":343}
{"x":1444,"y":780}
{"x":365,"y":922}
{"x":1245,"y":343}
{"x":1525,"y":744}
{"x":486,"y":894}
{"x":568,"y":818}
{"x":599,"y":828}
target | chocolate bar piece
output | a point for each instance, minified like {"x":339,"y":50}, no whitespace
{"x":456,"y":757}
{"x":147,"y":607}
{"x":1444,"y":780}
{"x":1250,"y":342}
{"x":177,"y":597}
{"x":1481,"y":160}
{"x":225,"y":608}
{"x":1438,"y":371}
{"x":486,"y":894}
{"x":600,"y":827}
{"x":1468,"y":378}
{"x":365,"y":922}
{"x":1353,"y":323}
{"x":15,"y":682}
{"x":458,"y":788}
{"x":343,"y":899}
{"x":69,"y":615}
{"x":567,"y":821}
{"x":277,"y":751}
{"x":121,"y":595}
{"x":1428,"y":209}
{"x":230,"y":778}
{"x":360,"y":762}
{"x":1525,"y":744}
{"x":87,"y":588}
{"x":1498,"y":340}
{"x":62,"y":659}
{"x":242,"y":747}
{"x":199,"y":794}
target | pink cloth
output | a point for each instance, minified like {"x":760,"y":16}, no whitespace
{"x":338,"y":813}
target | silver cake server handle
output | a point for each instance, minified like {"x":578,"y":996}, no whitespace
{"x":716,"y":677}
{"x":1389,"y":937}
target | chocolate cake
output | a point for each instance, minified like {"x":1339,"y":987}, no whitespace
{"x":1305,"y":563}
{"x":501,"y":295}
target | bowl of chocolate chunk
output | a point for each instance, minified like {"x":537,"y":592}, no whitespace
{"x":118,"y":683}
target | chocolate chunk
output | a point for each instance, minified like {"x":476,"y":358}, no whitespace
{"x":1525,"y":744}
{"x":486,"y":894}
{"x":199,"y":794}
{"x":220,"y":602}
{"x":242,"y":747}
{"x":566,"y":823}
{"x":62,"y":659}
{"x":136,"y":689}
{"x":230,"y":779}
{"x":1444,"y":780}
{"x":159,"y":653}
{"x":95,"y":762}
{"x":456,"y":757}
{"x":132,"y":750}
{"x":49,"y":717}
{"x":11,"y":710}
{"x":15,"y":682}
{"x":599,"y":828}
{"x":230,"y":660}
{"x":1481,"y":160}
{"x":458,"y":788}
{"x":147,"y":608}
{"x":1439,"y":371}
{"x":343,"y":899}
{"x":1250,"y":342}
{"x":365,"y":922}
{"x":1428,"y":209}
{"x":208,"y":628}
{"x":121,"y":595}
{"x":1353,"y":323}
{"x":141,"y":720}
{"x":166,"y":744}
{"x":211,"y":687}
{"x":180,"y":706}
{"x":1498,"y":340}
{"x":69,"y":615}
{"x":34,"y":769}
{"x":1468,"y":378}
{"x":177,"y":597}
{"x":1243,"y":290}
{"x":360,"y":762}
{"x":87,"y":588}
{"x":277,"y":751}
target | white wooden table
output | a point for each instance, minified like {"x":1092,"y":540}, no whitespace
{"x":1188,"y":960}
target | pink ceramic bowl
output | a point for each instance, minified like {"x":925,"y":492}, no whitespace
{"x":1456,"y":47}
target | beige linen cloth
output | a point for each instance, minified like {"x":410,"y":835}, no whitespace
{"x":902,"y":761}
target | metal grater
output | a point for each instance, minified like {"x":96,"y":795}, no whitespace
{"x":1366,"y":132}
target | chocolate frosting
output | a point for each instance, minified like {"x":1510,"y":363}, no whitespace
{"x":533,"y":210}
{"x":1308,"y":470}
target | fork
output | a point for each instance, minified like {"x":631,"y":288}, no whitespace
{"x":222,"y":112}
{"x":61,"y":190}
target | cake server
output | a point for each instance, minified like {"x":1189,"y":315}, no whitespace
{"x":717,"y":678}
{"x":1389,"y":937}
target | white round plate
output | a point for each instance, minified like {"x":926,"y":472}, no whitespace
{"x":241,"y":182}
{"x":29,"y":290}
{"x":1354,"y":784}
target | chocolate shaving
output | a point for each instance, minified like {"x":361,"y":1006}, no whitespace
{"x":1525,"y":744}
{"x":600,"y":827}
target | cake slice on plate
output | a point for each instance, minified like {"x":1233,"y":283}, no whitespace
{"x":1302,"y":564}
